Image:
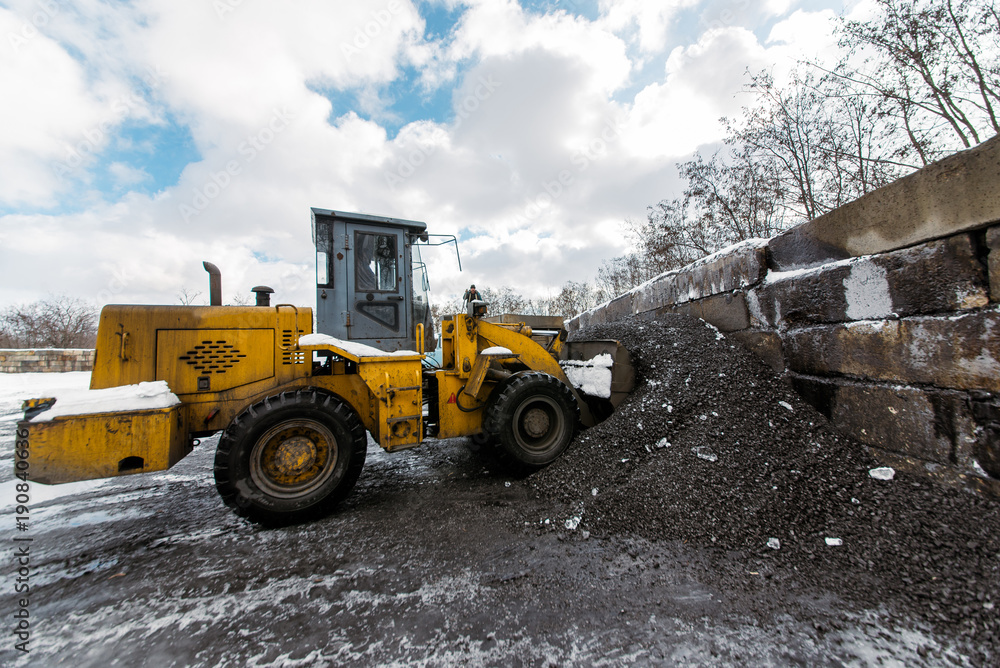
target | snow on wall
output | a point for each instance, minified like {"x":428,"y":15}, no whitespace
{"x":848,"y":330}
{"x":866,"y":290}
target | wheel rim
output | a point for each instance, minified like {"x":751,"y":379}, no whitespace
{"x":539,"y":424}
{"x":293,"y":458}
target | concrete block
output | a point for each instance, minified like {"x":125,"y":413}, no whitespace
{"x":986,"y":411}
{"x":765,"y":345}
{"x":931,"y":425}
{"x":737,"y":267}
{"x":939,"y":276}
{"x":618,"y":308}
{"x":993,"y":242}
{"x":960,"y":352}
{"x":993,"y":238}
{"x":957,"y":194}
{"x":949,"y":476}
{"x":728,"y":312}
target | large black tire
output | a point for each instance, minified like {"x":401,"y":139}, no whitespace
{"x":290,"y":458}
{"x":533,"y":416}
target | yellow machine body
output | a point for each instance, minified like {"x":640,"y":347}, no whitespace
{"x":219,"y":360}
{"x":293,"y":409}
{"x":463,"y":342}
{"x":102,"y":445}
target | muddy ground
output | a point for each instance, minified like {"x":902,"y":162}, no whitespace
{"x":434,"y":560}
{"x":444,"y":556}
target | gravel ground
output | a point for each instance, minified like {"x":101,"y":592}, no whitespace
{"x":712,"y":449}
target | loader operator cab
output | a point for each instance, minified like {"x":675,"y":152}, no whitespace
{"x":371,"y":285}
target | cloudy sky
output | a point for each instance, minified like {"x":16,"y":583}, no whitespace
{"x":140,"y":138}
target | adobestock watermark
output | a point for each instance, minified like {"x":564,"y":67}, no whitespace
{"x":248,"y":150}
{"x":22,"y":542}
{"x":417,"y":156}
{"x":93,"y":138}
{"x":363,"y":35}
{"x":120,"y":279}
{"x":581,"y":160}
{"x":726,"y":16}
{"x":29,"y":29}
{"x":224,"y":7}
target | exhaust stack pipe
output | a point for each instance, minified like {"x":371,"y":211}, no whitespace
{"x":263,"y":294}
{"x":214,"y":284}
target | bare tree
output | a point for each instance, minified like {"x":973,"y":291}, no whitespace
{"x":619,"y":275}
{"x":573,"y":299}
{"x":809,"y":146}
{"x":921,"y":78}
{"x":56,"y":322}
{"x":505,"y":299}
{"x":929,"y":66}
{"x":733,"y":200}
{"x":186,"y":297}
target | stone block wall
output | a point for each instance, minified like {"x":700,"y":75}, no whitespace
{"x":46,"y":360}
{"x":884,"y":314}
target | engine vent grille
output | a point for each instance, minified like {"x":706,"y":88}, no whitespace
{"x":288,"y":339}
{"x":213,"y":357}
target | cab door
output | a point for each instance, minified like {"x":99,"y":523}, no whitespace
{"x":378,"y":284}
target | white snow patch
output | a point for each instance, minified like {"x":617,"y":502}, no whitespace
{"x":16,"y":387}
{"x":704,"y":453}
{"x":882,"y":473}
{"x":753,"y":306}
{"x":834,"y":542}
{"x":142,"y":396}
{"x":774,"y":543}
{"x":866,"y":290}
{"x":776,"y":276}
{"x":42,"y":493}
{"x":718,"y":335}
{"x":787,"y":405}
{"x":498,"y":350}
{"x":349,"y":347}
{"x":592,"y":376}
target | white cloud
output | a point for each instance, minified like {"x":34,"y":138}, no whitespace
{"x":648,"y":21}
{"x":673,"y":118}
{"x":804,"y":35}
{"x":500,"y":28}
{"x":40,"y":82}
{"x":545,"y":156}
{"x":778,"y":7}
{"x":126,"y":175}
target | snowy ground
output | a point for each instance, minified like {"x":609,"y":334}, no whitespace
{"x":14,"y":389}
{"x":439,"y":558}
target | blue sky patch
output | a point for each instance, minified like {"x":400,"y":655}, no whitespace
{"x":160,"y":151}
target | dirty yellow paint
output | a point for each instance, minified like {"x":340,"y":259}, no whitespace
{"x":87,"y":447}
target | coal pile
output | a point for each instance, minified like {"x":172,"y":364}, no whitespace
{"x":714,"y":449}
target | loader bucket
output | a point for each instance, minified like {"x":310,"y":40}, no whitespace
{"x":590,"y":355}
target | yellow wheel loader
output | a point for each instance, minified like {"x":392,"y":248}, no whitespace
{"x":294,"y":406}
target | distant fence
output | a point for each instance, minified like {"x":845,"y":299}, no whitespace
{"x":45,"y":360}
{"x":884,"y":314}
